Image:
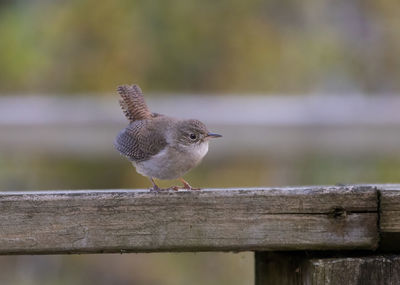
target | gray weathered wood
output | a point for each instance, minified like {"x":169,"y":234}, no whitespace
{"x":373,"y":270}
{"x":390,"y":208}
{"x":312,"y":218}
{"x":301,"y":269}
{"x":389,"y":217}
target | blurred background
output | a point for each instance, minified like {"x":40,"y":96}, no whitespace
{"x":303,"y":92}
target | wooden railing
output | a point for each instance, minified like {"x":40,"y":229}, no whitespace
{"x":301,"y":235}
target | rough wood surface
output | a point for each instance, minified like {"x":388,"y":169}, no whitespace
{"x":389,"y":217}
{"x":390,"y":208}
{"x":374,"y":270}
{"x":303,"y":269}
{"x":312,"y":218}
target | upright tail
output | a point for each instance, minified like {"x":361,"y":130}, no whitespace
{"x":132,"y":103}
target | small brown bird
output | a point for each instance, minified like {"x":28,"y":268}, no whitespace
{"x":159,"y":146}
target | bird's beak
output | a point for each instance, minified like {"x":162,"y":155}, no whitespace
{"x":211,"y":135}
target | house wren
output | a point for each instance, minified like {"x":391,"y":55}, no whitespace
{"x":157,"y":145}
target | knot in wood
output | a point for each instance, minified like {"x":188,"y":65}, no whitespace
{"x":338,"y":212}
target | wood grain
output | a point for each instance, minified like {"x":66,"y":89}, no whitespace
{"x":373,"y":270}
{"x":390,"y":208}
{"x":303,"y":218}
{"x":298,"y":268}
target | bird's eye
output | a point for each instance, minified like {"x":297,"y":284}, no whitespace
{"x":193,"y":136}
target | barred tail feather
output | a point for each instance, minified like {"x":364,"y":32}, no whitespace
{"x":132,"y":103}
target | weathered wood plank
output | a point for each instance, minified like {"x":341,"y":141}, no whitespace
{"x":389,"y":217}
{"x":310,"y":218}
{"x":390,"y":221}
{"x":373,"y":270}
{"x":301,"y":269}
{"x":390,"y":208}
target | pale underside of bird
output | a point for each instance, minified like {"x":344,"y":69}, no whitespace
{"x":159,"y":146}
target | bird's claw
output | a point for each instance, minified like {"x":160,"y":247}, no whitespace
{"x":158,"y":189}
{"x":155,"y":189}
{"x":185,"y":186}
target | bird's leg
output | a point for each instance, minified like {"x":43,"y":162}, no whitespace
{"x":155,"y":187}
{"x":186,"y":185}
{"x":158,"y":189}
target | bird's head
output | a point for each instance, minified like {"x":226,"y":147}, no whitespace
{"x":193,"y":132}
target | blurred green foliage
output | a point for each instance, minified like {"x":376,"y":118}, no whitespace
{"x":127,"y":269}
{"x":56,"y":172}
{"x":209,"y":46}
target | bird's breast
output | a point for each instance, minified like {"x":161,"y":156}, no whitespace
{"x":171,"y":163}
{"x":199,"y":151}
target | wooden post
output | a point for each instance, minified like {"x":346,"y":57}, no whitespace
{"x":301,"y":269}
{"x":389,"y":222}
{"x":278,"y":268}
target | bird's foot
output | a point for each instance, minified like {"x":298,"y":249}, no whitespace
{"x":186,"y":186}
{"x":158,"y":189}
{"x":175,"y":188}
{"x":155,"y":188}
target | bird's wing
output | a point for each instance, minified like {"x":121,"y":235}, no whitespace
{"x":141,"y":140}
{"x":132,"y":103}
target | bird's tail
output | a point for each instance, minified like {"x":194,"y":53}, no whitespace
{"x":132,"y":103}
